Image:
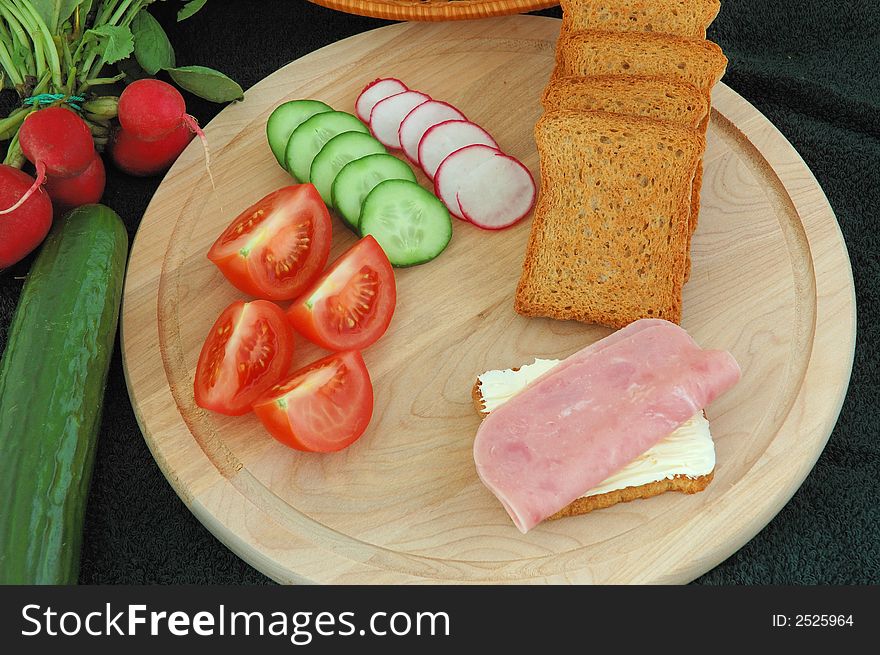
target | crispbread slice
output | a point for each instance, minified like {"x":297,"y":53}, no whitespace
{"x":681,"y":483}
{"x":697,"y":61}
{"x":663,"y":98}
{"x":608,"y":239}
{"x":700,"y":62}
{"x":680,"y":17}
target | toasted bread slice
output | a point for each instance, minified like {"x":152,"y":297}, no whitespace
{"x":663,"y":98}
{"x":585,"y":504}
{"x":680,"y":17}
{"x":608,"y":239}
{"x":700,"y":62}
{"x":697,"y":61}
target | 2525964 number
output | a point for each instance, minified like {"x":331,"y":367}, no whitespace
{"x":822,"y":620}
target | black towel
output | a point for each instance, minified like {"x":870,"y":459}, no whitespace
{"x":810,"y":65}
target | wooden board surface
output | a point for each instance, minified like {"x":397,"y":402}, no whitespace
{"x":771,"y":283}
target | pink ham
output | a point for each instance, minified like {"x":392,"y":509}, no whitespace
{"x":594,"y":413}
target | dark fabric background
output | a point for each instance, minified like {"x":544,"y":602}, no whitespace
{"x":809,"y":65}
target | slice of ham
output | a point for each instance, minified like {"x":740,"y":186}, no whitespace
{"x":593,"y":413}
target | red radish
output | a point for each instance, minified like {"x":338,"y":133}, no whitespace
{"x":83,"y":189}
{"x":374,"y":92}
{"x":497,"y":193}
{"x":25,"y":228}
{"x":443,"y":139}
{"x":142,"y":158}
{"x":388,"y":114}
{"x":455,"y":170}
{"x":149,"y":109}
{"x":58,"y":143}
{"x":419,"y":120}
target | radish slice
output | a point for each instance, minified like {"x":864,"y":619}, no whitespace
{"x":388,"y":114}
{"x":374,"y":92}
{"x":455,"y":170}
{"x":498,"y":193}
{"x":443,"y":139}
{"x":419,"y":120}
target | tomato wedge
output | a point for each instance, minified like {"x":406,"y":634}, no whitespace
{"x":277,"y":247}
{"x":246,"y":352}
{"x":351,"y":305}
{"x":321,"y":408}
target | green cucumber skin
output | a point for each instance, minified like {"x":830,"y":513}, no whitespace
{"x":52,"y":379}
{"x":280,"y":113}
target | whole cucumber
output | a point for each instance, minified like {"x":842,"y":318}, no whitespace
{"x":52,"y":379}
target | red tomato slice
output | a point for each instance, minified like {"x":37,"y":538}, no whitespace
{"x":278,"y":246}
{"x":321,"y":408}
{"x":351,"y":306}
{"x":247,"y":351}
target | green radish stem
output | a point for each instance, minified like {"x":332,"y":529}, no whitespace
{"x":99,"y":81}
{"x":44,"y":45}
{"x":9,"y":125}
{"x":51,"y":49}
{"x":68,"y":63}
{"x":102,"y":107}
{"x":14,"y":155}
{"x":11,"y":70}
{"x":94,"y":65}
{"x":21,"y":38}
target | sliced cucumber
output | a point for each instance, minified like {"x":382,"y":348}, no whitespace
{"x":357,"y":178}
{"x":286,"y":118}
{"x":308,"y":139}
{"x":410,"y":224}
{"x":336,"y":153}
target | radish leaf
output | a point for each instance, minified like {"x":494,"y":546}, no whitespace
{"x":55,"y":12}
{"x":189,"y":9}
{"x":115,"y":42}
{"x":207,"y":83}
{"x":152,"y":49}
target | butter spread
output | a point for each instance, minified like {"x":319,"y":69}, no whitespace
{"x":688,"y":451}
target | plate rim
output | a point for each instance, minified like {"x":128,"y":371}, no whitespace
{"x":252,"y":552}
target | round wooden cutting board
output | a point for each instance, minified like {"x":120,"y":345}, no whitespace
{"x":771,"y":282}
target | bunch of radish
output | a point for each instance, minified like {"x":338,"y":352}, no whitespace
{"x":472,"y":176}
{"x":59,"y":145}
{"x":154,"y":128}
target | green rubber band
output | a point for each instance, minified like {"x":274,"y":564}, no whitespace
{"x":50,"y":98}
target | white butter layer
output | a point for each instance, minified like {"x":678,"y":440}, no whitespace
{"x":688,"y":451}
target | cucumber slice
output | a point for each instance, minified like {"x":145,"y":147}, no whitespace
{"x":410,"y":224}
{"x":286,"y":118}
{"x":357,"y":178}
{"x":336,"y":153}
{"x":308,"y":139}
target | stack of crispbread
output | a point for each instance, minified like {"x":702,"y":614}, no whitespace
{"x":621,"y":142}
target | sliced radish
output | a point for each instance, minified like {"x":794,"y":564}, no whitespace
{"x":419,"y":120}
{"x":388,"y":114}
{"x":374,"y":92}
{"x":497,"y":193}
{"x":455,"y":170}
{"x":443,"y":139}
